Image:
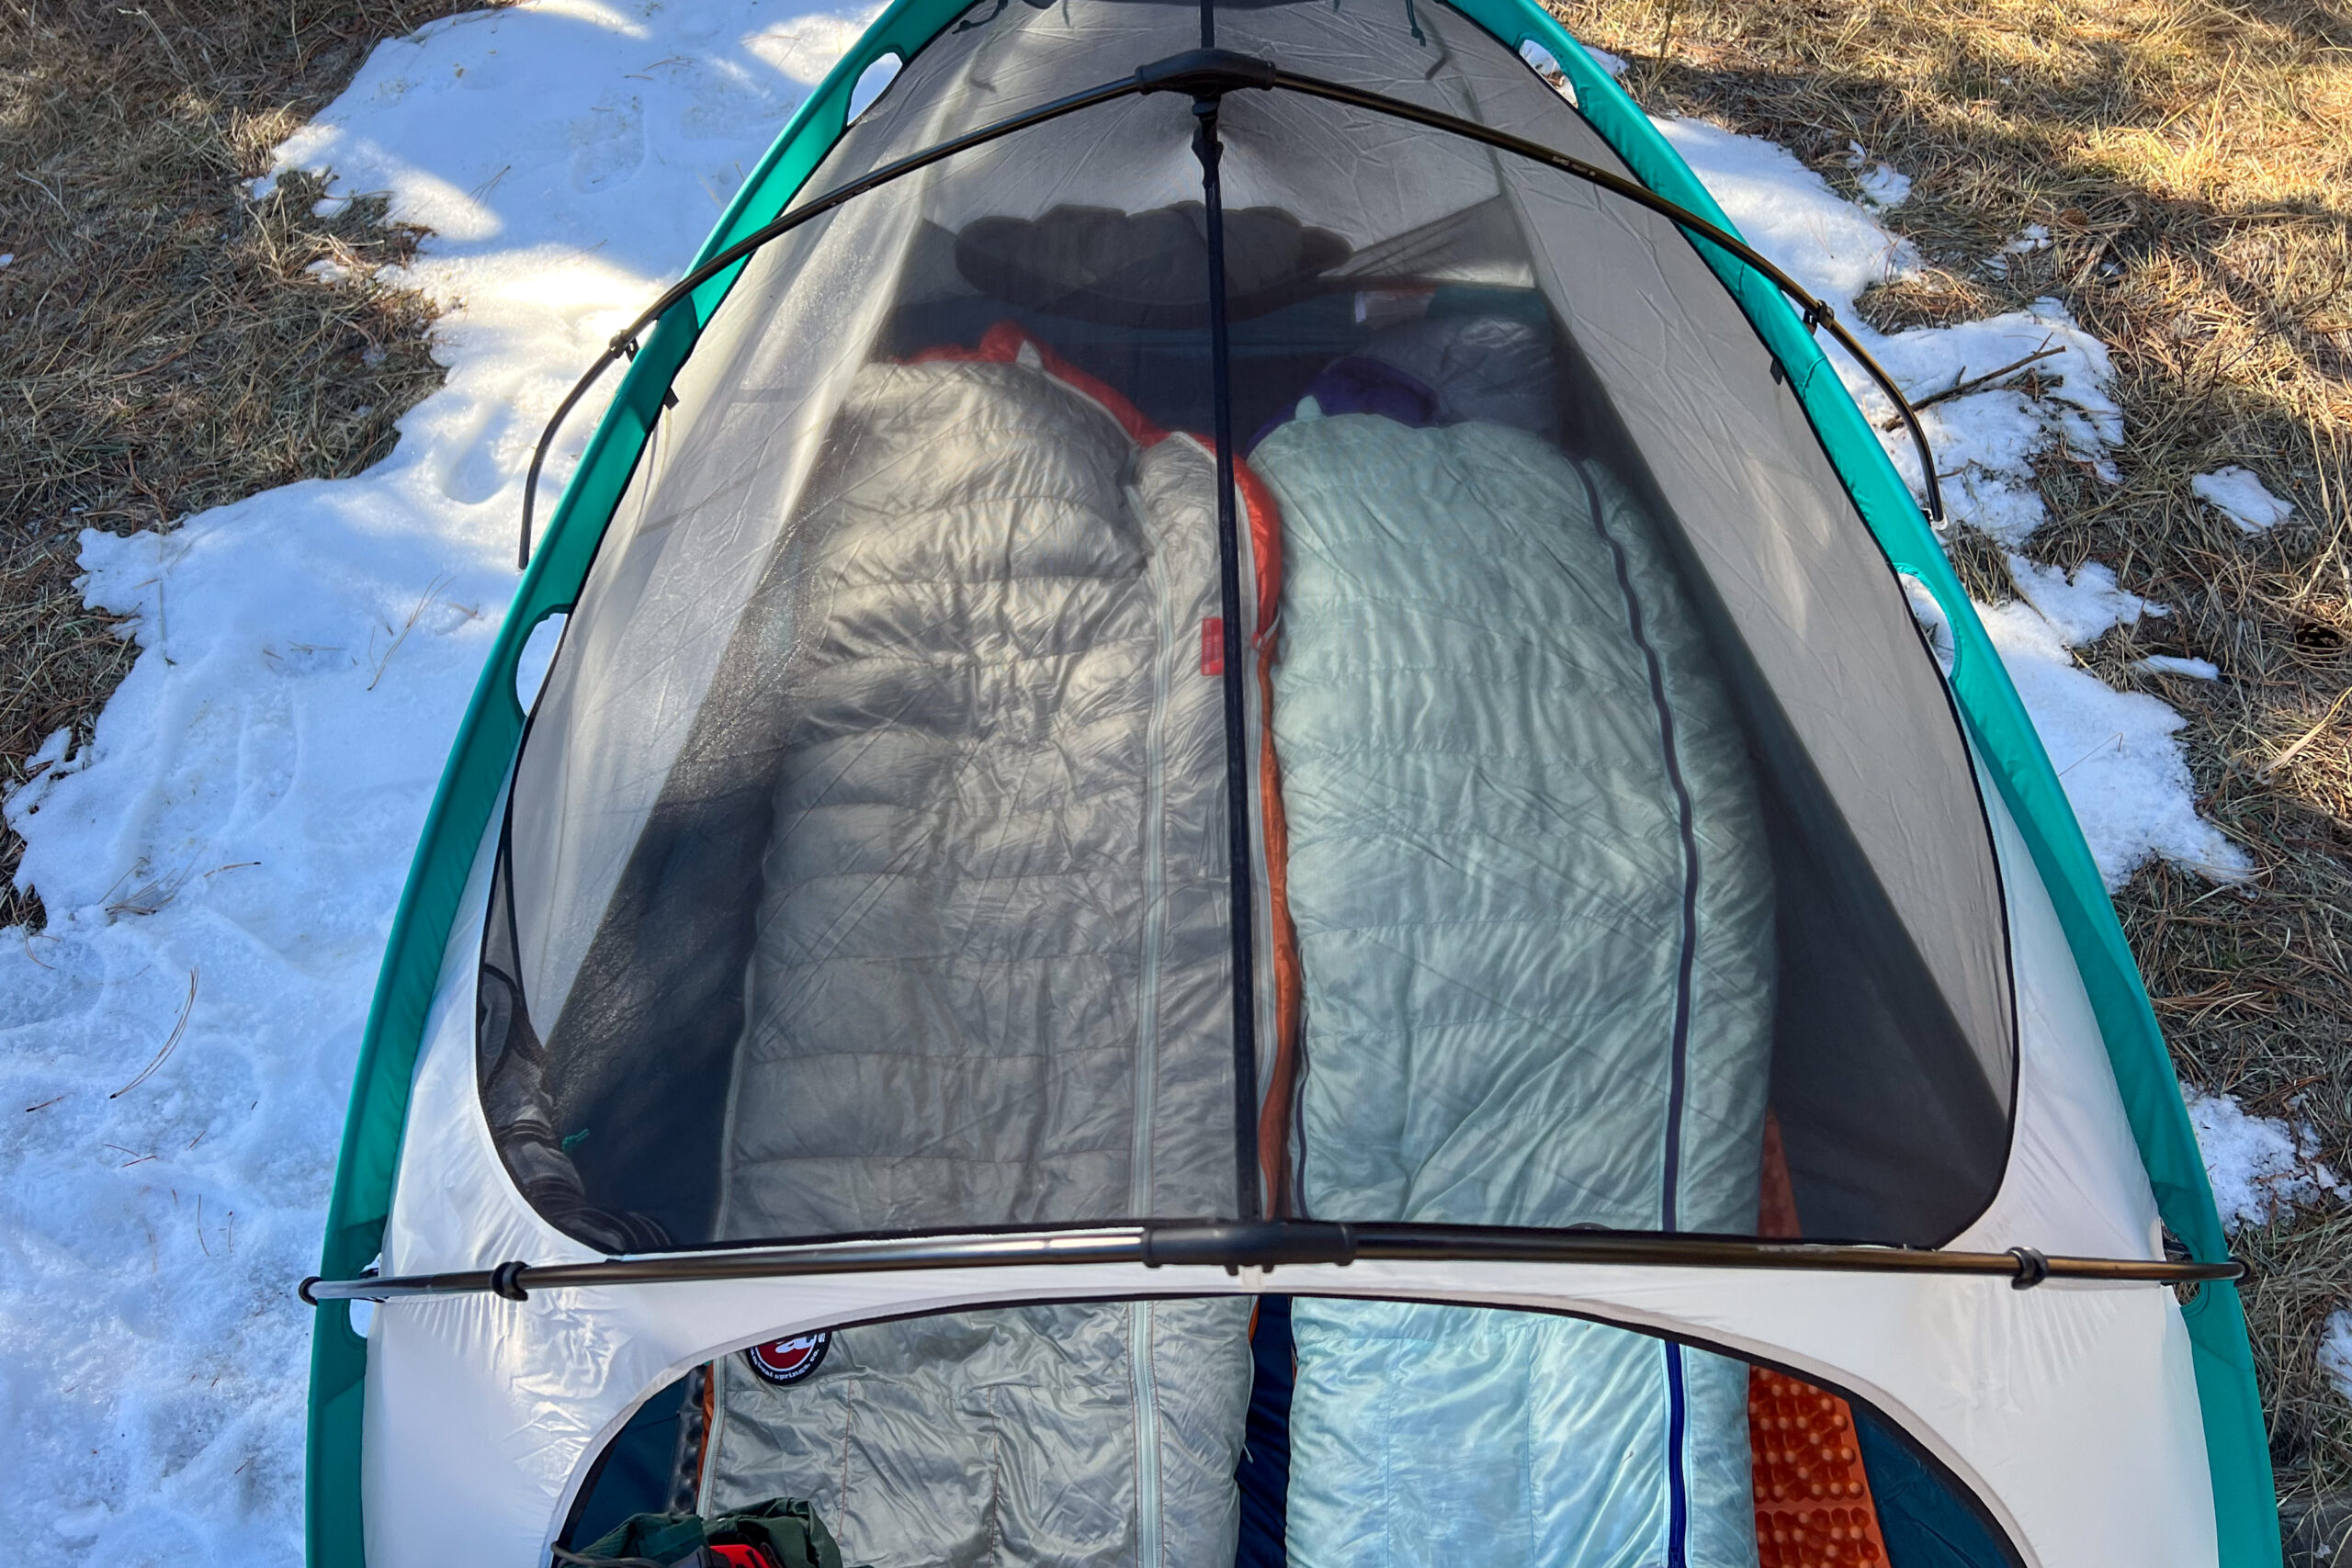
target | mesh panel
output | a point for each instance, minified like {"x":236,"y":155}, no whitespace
{"x":867,"y":866}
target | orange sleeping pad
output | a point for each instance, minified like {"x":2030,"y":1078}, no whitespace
{"x":1813,"y":1501}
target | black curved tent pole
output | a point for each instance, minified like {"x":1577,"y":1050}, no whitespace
{"x":1234,"y":1245}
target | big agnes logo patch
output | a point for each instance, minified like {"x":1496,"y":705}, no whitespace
{"x":788,"y":1361}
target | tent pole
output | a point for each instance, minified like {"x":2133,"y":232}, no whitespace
{"x":1234,"y":1245}
{"x":1206,"y":147}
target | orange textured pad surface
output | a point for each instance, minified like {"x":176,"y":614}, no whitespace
{"x":1812,"y":1502}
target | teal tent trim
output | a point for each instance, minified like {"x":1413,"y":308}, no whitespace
{"x":492,"y":729}
{"x":2236,"y":1445}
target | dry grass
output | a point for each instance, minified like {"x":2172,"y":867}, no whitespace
{"x":163,"y":346}
{"x":2192,"y":161}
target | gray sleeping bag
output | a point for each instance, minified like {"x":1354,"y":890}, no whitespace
{"x":1533,"y":918}
{"x":988,"y":984}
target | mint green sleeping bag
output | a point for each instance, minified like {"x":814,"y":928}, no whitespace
{"x":1533,"y":913}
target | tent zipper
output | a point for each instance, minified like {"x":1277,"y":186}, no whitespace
{"x":1148,"y":1546}
{"x":1669,"y":1198}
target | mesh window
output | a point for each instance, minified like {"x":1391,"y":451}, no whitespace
{"x":1277,"y":1431}
{"x":1614,"y":854}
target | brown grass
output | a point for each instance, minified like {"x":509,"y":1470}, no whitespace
{"x":2192,"y":161}
{"x":163,"y":348}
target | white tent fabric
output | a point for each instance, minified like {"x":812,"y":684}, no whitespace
{"x":2069,"y":1410}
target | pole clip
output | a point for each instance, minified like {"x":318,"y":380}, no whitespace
{"x":506,"y":1283}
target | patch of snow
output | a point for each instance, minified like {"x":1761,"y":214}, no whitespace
{"x":1546,"y":64}
{"x":2335,"y":1349}
{"x":1830,"y":246}
{"x":326,"y":269}
{"x":2116,"y":752}
{"x":2172,"y":664}
{"x":1881,"y":186}
{"x":2244,"y":500}
{"x":1935,"y":626}
{"x":7,"y":258}
{"x":2259,"y":1168}
{"x":2080,"y":608}
{"x":1884,"y":186}
{"x":51,"y":755}
{"x":2033,"y":237}
{"x":220,"y":862}
{"x":538,"y":657}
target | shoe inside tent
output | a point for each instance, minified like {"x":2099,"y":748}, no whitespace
{"x":1262,"y":833}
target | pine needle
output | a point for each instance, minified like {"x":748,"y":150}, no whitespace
{"x":178,"y":1029}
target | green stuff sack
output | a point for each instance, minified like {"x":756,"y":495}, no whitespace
{"x":786,"y":1529}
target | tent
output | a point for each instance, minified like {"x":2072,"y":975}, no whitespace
{"x":1236,"y":818}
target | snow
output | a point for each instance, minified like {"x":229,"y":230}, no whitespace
{"x":1547,"y":65}
{"x":2261,"y":1169}
{"x":221,"y":861}
{"x":2171,"y":665}
{"x":2115,"y":751}
{"x":2034,"y":237}
{"x":239,"y":829}
{"x":1884,"y":186}
{"x":2238,"y":495}
{"x":2081,"y":607}
{"x":1928,"y":613}
{"x":2335,"y":1349}
{"x":1881,"y":186}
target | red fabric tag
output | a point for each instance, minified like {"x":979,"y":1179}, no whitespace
{"x":740,"y":1556}
{"x":1213,"y":645}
